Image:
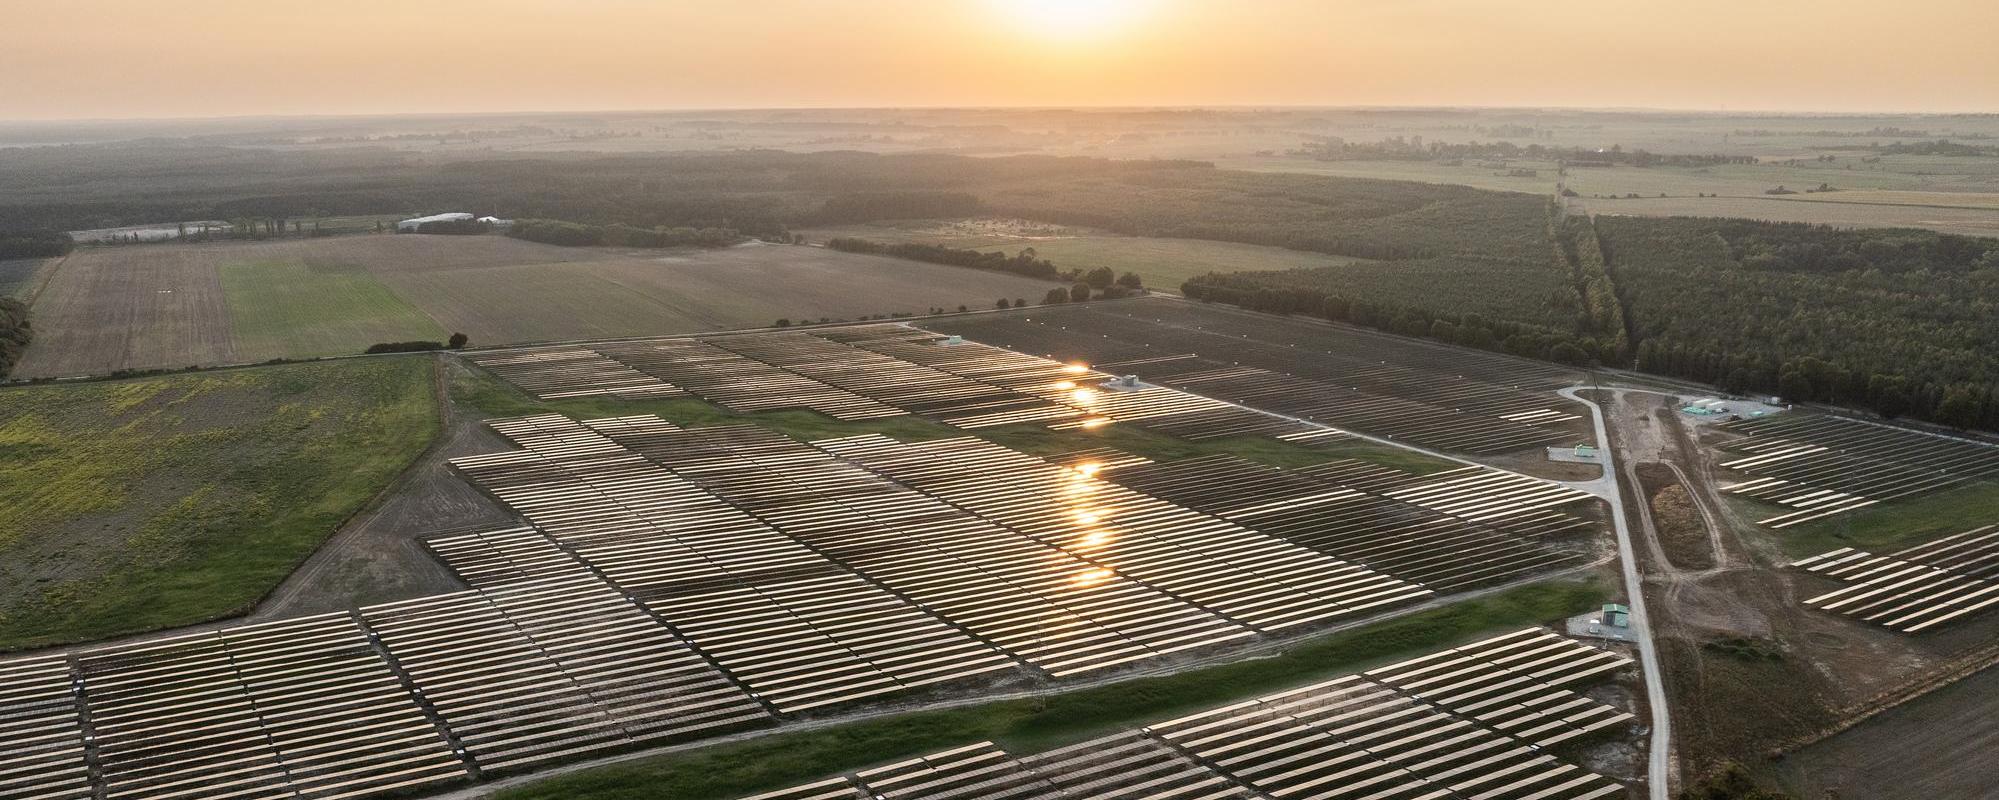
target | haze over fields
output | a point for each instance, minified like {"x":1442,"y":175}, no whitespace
{"x":999,"y":399}
{"x":129,"y":58}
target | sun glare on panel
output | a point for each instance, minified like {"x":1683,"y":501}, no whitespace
{"x":1070,"y":19}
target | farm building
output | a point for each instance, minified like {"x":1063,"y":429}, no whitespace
{"x":410,"y":225}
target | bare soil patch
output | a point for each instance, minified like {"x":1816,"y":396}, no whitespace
{"x":163,"y":306}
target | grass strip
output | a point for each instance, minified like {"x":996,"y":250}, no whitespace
{"x":1035,"y":724}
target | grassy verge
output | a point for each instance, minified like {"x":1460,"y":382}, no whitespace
{"x":1036,"y":724}
{"x":128,"y":506}
{"x":1890,"y":526}
{"x":480,"y":390}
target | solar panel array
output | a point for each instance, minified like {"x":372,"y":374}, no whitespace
{"x":867,"y":571}
{"x":1439,"y":397}
{"x":1916,"y":589}
{"x":1822,"y":466}
{"x":1446,"y":531}
{"x":1500,"y":420}
{"x":872,"y":371}
{"x":1254,"y":580}
{"x":389,"y":698}
{"x":799,"y":629}
{"x":41,"y":721}
{"x":1476,"y":721}
{"x":557,"y":372}
{"x":300,"y":708}
{"x":545,"y":669}
{"x":1517,"y":684}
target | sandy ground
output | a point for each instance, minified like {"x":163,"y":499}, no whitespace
{"x":378,"y":557}
{"x":1749,"y":668}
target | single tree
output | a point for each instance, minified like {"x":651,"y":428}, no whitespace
{"x":1079,"y":293}
{"x":457,"y":341}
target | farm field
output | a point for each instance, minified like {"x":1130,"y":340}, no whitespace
{"x":134,"y":505}
{"x":1164,"y":263}
{"x":1948,"y":195}
{"x":1939,"y":745}
{"x":292,"y":309}
{"x":1915,"y":174}
{"x":17,"y":275}
{"x":168,"y":306}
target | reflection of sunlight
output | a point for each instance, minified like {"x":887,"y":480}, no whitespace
{"x":1087,"y":517}
{"x":1096,"y":422}
{"x":1065,"y":384}
{"x":1088,"y":468}
{"x":1096,"y":538}
{"x":1084,"y":396}
{"x":1090,"y":577}
{"x":1076,"y":368}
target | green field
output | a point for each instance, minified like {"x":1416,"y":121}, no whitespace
{"x":1891,"y":526}
{"x":128,"y":506}
{"x":478,"y":389}
{"x":17,"y":276}
{"x":1033,"y":725}
{"x":293,"y":309}
{"x":1163,"y":263}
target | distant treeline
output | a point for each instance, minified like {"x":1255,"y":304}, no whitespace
{"x":1251,"y":290}
{"x":866,"y":206}
{"x":458,"y":341}
{"x":756,"y":193}
{"x":14,"y":333}
{"x":1398,"y":148}
{"x":35,"y":244}
{"x":1026,"y":262}
{"x":1903,"y":322}
{"x":571,"y":234}
{"x":1936,"y":147}
{"x":455,"y":227}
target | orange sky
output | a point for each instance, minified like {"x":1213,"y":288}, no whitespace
{"x":126,"y":58}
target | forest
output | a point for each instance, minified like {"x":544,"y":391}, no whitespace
{"x":1025,"y":262}
{"x":34,"y":244}
{"x":1903,"y":322}
{"x":1899,"y":321}
{"x":570,"y":234}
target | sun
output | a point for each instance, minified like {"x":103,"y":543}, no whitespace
{"x":1070,"y":19}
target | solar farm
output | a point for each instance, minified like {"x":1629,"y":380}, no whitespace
{"x":1916,"y":589}
{"x":1821,"y":466}
{"x":666,"y":584}
{"x":1427,"y":395}
{"x":1475,"y":721}
{"x":669,"y":584}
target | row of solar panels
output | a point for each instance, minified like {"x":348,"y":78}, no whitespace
{"x":873,"y":371}
{"x":1915,"y":589}
{"x":384,"y":698}
{"x":1822,"y":466}
{"x":863,"y":577}
{"x":1476,"y":721}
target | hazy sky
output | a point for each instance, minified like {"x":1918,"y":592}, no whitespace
{"x":143,"y":58}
